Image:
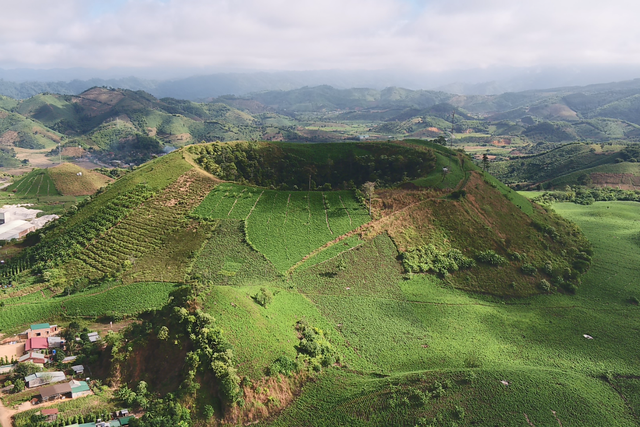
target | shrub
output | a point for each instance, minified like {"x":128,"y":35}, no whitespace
{"x":264,"y":297}
{"x":491,"y":257}
{"x":529,"y":269}
{"x":283,"y":365}
{"x":545,"y":286}
{"x":634,"y":301}
{"x":428,"y":258}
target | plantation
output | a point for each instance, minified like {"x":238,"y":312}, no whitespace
{"x":37,"y":183}
{"x":117,"y":301}
{"x":285,"y":226}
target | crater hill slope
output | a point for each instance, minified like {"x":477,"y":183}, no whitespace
{"x":271,"y":281}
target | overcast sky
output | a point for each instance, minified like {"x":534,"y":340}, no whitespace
{"x":421,"y":35}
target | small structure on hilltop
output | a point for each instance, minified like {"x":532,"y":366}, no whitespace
{"x":93,"y":336}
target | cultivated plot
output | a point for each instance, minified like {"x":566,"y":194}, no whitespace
{"x":286,"y":225}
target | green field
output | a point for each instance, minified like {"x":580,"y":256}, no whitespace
{"x":285,"y":226}
{"x":122,"y":300}
{"x":400,"y":328}
{"x":36,"y":183}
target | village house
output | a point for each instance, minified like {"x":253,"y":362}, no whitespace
{"x":54,"y":392}
{"x":41,"y":330}
{"x":79,"y":389}
{"x":34,"y":357}
{"x":36,"y":343}
{"x":43,"y":378}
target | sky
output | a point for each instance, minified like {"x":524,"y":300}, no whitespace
{"x":219,"y":35}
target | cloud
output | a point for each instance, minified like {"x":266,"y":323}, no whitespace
{"x":305,"y":35}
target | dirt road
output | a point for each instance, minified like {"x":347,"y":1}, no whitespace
{"x":5,"y":415}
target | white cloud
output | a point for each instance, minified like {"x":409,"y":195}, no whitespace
{"x":304,"y":34}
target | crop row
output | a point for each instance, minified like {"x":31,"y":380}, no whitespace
{"x":143,"y":230}
{"x":285,"y":226}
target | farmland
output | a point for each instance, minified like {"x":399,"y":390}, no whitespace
{"x":285,"y":226}
{"x":117,"y":300}
{"x":37,"y":183}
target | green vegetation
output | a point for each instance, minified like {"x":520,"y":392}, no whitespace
{"x":37,"y":183}
{"x":121,"y":300}
{"x":335,"y":165}
{"x":285,"y":226}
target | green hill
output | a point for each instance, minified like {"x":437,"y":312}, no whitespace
{"x":424,"y":301}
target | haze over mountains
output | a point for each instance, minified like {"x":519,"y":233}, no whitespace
{"x":198,"y":84}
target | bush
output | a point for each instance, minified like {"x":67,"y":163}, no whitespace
{"x":491,"y":257}
{"x":529,"y":270}
{"x":264,"y":297}
{"x":545,"y":286}
{"x":634,"y":301}
{"x":283,"y":365}
{"x":428,"y":258}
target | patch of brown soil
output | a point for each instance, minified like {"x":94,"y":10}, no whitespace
{"x":49,"y":135}
{"x":73,"y":151}
{"x":265,"y":399}
{"x":501,"y":142}
{"x":624,"y":181}
{"x":179,"y":139}
{"x":152,"y":131}
{"x":10,"y":137}
{"x":3,"y":115}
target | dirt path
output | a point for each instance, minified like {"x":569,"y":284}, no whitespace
{"x":5,"y":415}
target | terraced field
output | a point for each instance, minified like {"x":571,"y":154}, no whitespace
{"x":144,"y":230}
{"x":36,"y":183}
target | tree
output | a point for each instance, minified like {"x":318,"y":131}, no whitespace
{"x":485,"y":162}
{"x":163,"y":334}
{"x":18,"y":385}
{"x":369,"y":188}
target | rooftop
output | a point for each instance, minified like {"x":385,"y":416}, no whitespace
{"x":39,"y":326}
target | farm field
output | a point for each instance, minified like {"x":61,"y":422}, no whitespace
{"x":401,"y":327}
{"x":36,"y":183}
{"x":124,"y":300}
{"x":285,"y":226}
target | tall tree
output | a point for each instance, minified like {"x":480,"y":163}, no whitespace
{"x":369,"y":188}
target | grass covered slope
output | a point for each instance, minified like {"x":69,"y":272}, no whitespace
{"x":37,"y":183}
{"x":69,"y":183}
{"x":429,"y":335}
{"x":419,"y":311}
{"x":285,"y":226}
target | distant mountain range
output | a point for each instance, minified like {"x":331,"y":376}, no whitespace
{"x":197,"y":84}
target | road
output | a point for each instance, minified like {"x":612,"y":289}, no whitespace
{"x":5,"y":415}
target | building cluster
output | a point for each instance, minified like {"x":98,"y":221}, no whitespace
{"x":38,"y":345}
{"x":17,"y":221}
